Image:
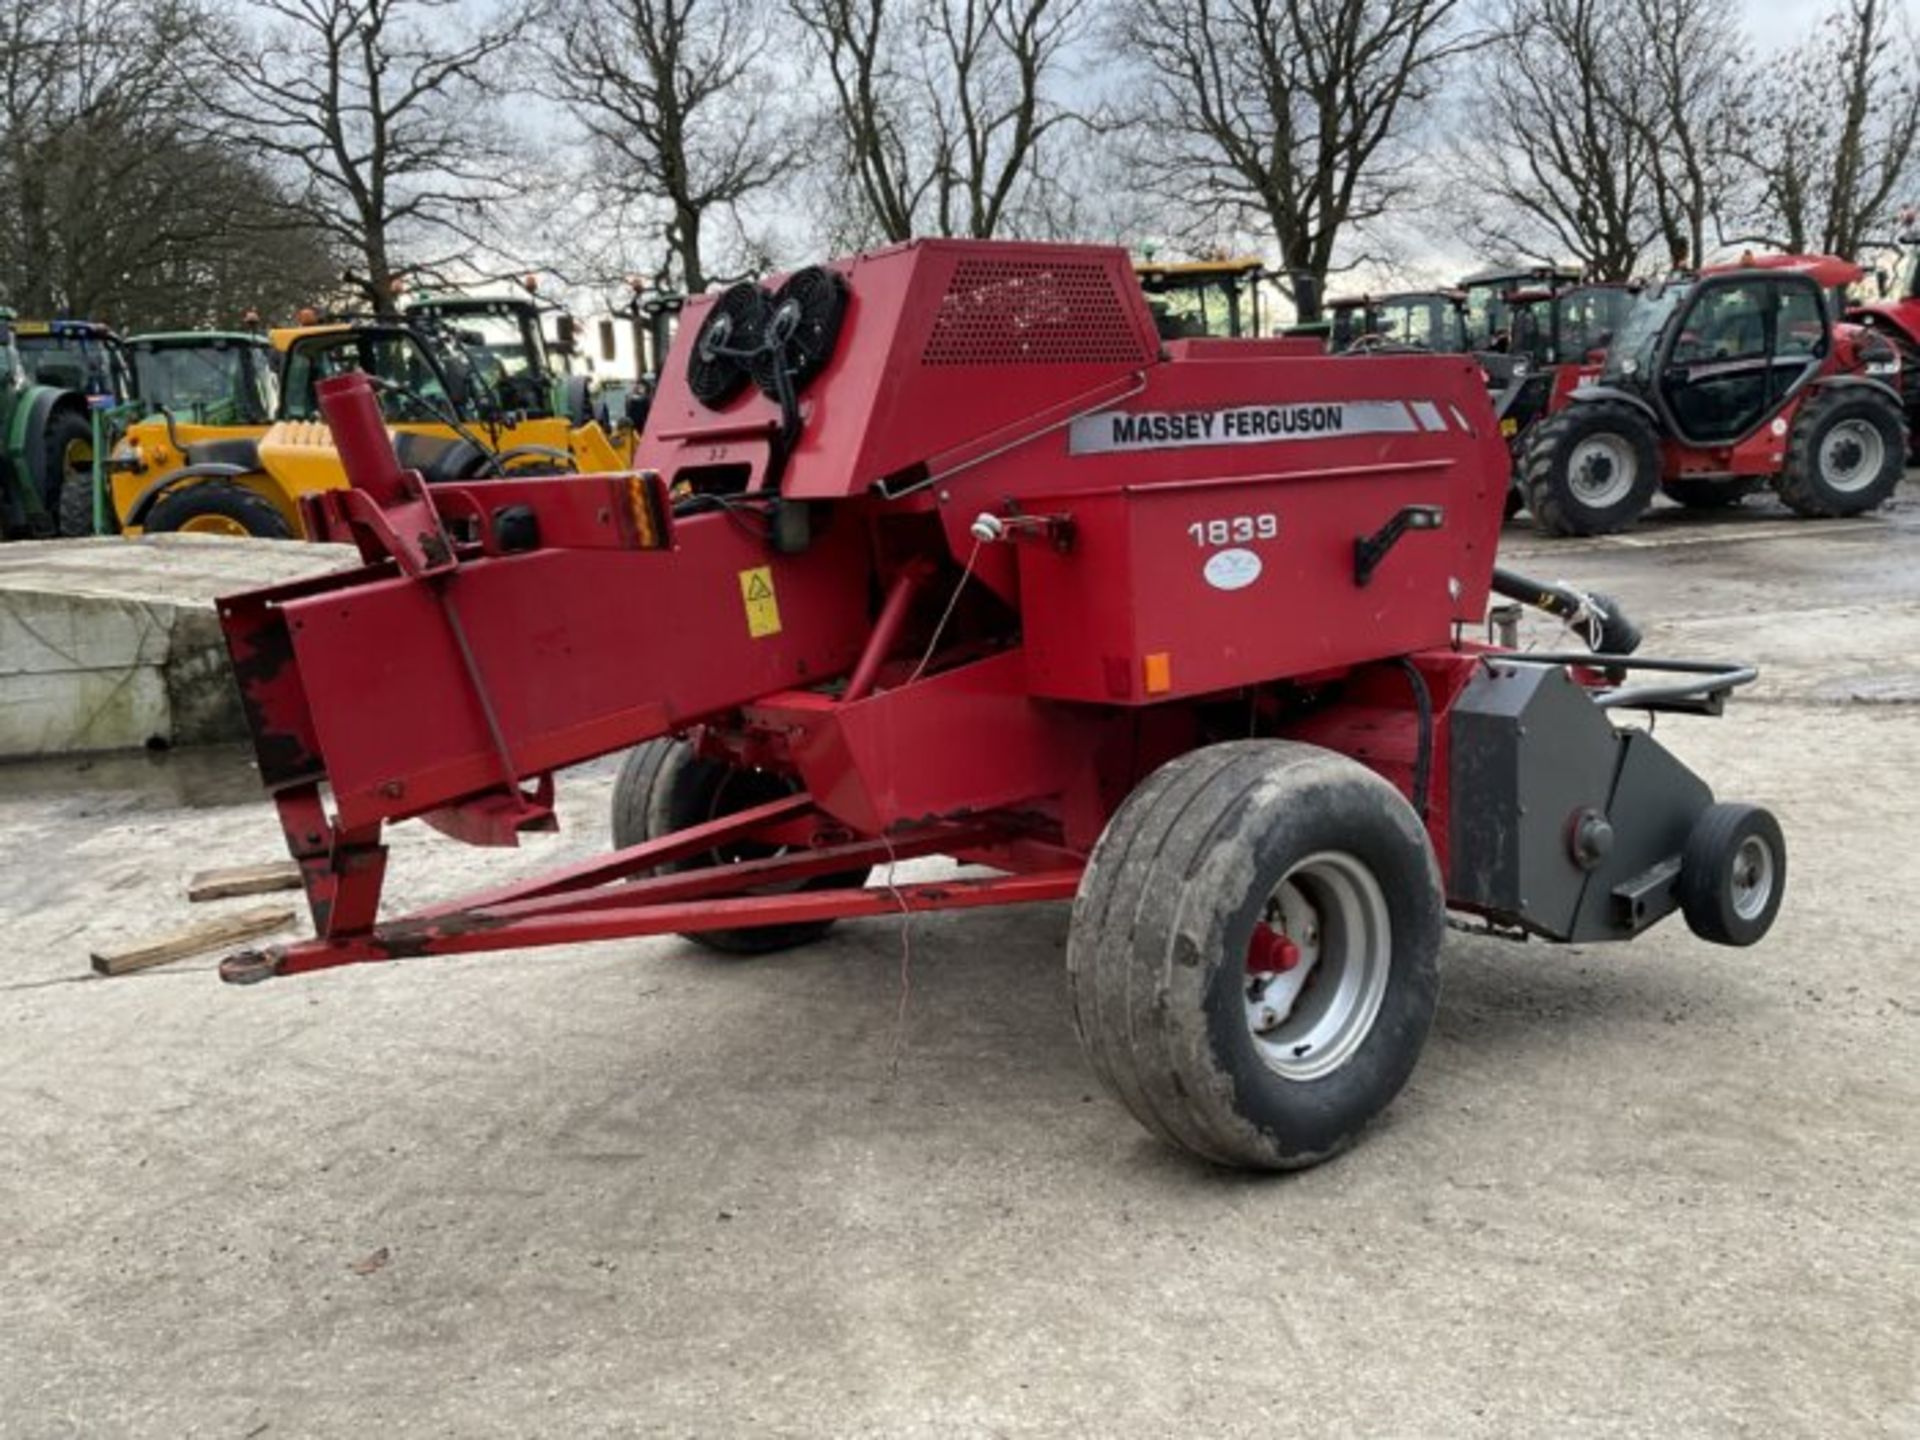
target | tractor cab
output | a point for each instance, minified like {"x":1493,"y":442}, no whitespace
{"x":1489,"y":295}
{"x":1573,"y":326}
{"x":1718,"y":355}
{"x":513,"y":367}
{"x":1198,"y":298}
{"x":1428,"y":320}
{"x":46,"y":436}
{"x":1346,"y":322}
{"x":424,"y":380}
{"x":1895,"y":316}
{"x":1423,"y":320}
{"x":1556,"y":339}
{"x":215,"y":377}
{"x":80,"y":355}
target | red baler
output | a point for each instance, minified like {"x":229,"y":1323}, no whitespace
{"x":941,"y":551}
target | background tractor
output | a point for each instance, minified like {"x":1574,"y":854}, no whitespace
{"x":1487,"y":298}
{"x":1428,"y":320}
{"x":1896,"y":315}
{"x":81,"y":355}
{"x":467,"y":400}
{"x":214,"y":378}
{"x":1191,"y":299}
{"x":1717,"y":385}
{"x":1556,"y":339}
{"x":48,"y":444}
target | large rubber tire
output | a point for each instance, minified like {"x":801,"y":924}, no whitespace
{"x":67,"y":432}
{"x":1157,"y":956}
{"x":664,"y":786}
{"x":1909,"y":354}
{"x":218,"y":507}
{"x":1733,"y":874}
{"x":1698,"y":494}
{"x":1814,"y":482}
{"x":1618,"y":468}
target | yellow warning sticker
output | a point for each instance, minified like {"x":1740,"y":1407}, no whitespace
{"x":763,"y":608}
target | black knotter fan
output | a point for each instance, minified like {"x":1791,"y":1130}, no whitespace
{"x":733,"y":332}
{"x":803,"y":325}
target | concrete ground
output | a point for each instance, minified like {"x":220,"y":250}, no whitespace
{"x":1662,"y":1190}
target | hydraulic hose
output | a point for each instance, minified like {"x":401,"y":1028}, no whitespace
{"x":1598,"y":617}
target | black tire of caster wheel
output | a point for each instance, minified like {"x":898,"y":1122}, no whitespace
{"x":1207,"y":847}
{"x":664,"y":786}
{"x":1732,"y":852}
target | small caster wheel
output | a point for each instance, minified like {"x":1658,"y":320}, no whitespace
{"x":1733,"y":874}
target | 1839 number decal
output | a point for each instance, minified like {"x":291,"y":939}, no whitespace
{"x":1234,"y":530}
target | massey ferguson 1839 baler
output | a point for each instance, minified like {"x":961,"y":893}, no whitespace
{"x":941,"y":551}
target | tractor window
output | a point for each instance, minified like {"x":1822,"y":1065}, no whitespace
{"x":1489,"y":318}
{"x":210,"y":383}
{"x":1718,"y":380}
{"x":1802,"y":324}
{"x":71,"y":362}
{"x":1346,"y":325}
{"x":394,"y":358}
{"x":1588,"y":319}
{"x":1906,"y":277}
{"x":1635,"y":346}
{"x":1528,"y":332}
{"x":1728,"y":323}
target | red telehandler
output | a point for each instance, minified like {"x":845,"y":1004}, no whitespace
{"x":942,"y":551}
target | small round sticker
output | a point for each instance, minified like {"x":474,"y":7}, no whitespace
{"x":1232,"y":569}
{"x":1779,"y":426}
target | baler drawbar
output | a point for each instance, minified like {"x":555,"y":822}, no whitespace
{"x":939,"y":550}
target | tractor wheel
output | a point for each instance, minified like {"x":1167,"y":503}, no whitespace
{"x":1590,"y":469}
{"x":69,"y":468}
{"x":1909,"y":354}
{"x":1710,"y":494}
{"x":664,"y":786}
{"x":1846,"y":454}
{"x":1253,"y":955}
{"x":218,"y":507}
{"x":1733,"y":874}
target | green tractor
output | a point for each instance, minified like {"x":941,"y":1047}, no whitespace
{"x":186,"y":377}
{"x":49,"y":444}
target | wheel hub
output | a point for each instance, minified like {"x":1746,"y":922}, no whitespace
{"x":1317,"y":966}
{"x":1851,"y":454}
{"x":1601,"y":470}
{"x":1752,"y":879}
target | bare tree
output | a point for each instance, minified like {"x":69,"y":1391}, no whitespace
{"x":945,"y":108}
{"x":1563,"y":166}
{"x":1291,"y":112}
{"x":1684,"y":96}
{"x":1834,"y":154}
{"x":384,"y":114}
{"x":684,"y":112}
{"x":108,"y":208}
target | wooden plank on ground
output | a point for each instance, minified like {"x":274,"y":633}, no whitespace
{"x":244,"y":880}
{"x":208,"y":935}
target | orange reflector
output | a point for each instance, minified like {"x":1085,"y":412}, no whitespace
{"x":1159,"y":672}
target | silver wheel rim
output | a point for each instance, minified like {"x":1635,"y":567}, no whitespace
{"x":1851,"y":454}
{"x":1601,"y":470}
{"x":1307,"y":1021}
{"x":1752,"y":877}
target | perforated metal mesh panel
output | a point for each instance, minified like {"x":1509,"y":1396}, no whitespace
{"x":1031,"y":312}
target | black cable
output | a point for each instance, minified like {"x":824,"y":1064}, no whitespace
{"x":1423,"y":758}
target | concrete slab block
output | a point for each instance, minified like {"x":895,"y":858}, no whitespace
{"x":113,"y":644}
